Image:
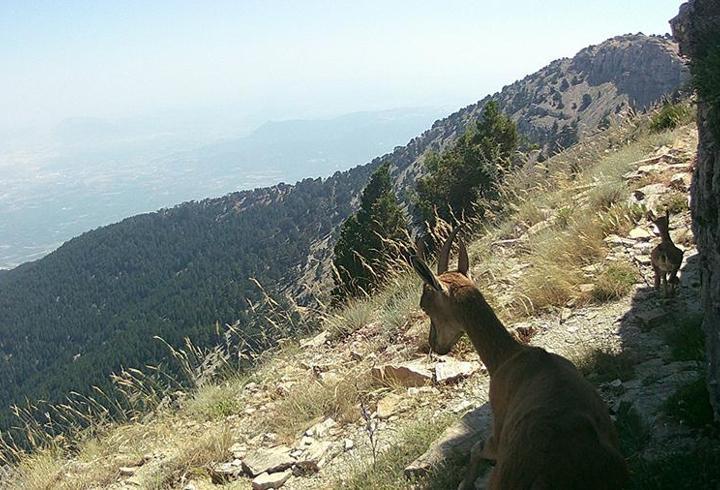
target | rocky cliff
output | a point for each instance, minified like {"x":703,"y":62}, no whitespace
{"x":697,"y":28}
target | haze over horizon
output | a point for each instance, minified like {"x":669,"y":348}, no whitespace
{"x":231,"y":61}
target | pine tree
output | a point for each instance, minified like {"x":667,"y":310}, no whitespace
{"x":471,"y":168}
{"x":361,"y":253}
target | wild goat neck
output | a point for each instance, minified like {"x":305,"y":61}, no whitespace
{"x":491,"y":340}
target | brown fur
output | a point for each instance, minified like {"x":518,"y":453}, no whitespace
{"x":551,"y":430}
{"x":666,"y":258}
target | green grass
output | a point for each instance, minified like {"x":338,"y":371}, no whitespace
{"x":633,"y":433}
{"x":312,"y":401}
{"x":601,"y":366}
{"x":676,"y":202}
{"x":686,"y":339}
{"x":212,"y":402}
{"x":693,"y":470}
{"x":352,"y":316}
{"x":690,"y":405}
{"x":614,"y":282}
{"x":607,"y":193}
{"x":670,"y":116}
{"x":387,"y":472}
{"x":620,"y":218}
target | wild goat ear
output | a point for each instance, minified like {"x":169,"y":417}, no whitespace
{"x":425,"y":273}
{"x":463,"y":261}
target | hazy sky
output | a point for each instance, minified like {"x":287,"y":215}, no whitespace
{"x":62,"y":59}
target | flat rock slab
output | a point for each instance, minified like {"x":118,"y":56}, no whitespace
{"x":410,"y":373}
{"x":266,"y":481}
{"x":225,"y":472}
{"x":267,"y":460}
{"x":316,"y":341}
{"x":618,"y":240}
{"x":314,"y":457}
{"x":452,"y":370}
{"x":652,"y":318}
{"x":321,"y":428}
{"x":457,"y":440}
{"x":388,"y":406}
{"x":640,"y":233}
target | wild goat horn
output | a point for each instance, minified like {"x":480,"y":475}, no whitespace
{"x":463,"y":261}
{"x":420,"y":247}
{"x":444,"y":257}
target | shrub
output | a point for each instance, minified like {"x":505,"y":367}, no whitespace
{"x":615,"y":282}
{"x":675,"y":202}
{"x":365,"y":247}
{"x":670,"y":116}
{"x":690,"y":405}
{"x":602,"y":366}
{"x":687,"y":339}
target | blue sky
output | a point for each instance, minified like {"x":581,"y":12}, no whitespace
{"x":301,"y":58}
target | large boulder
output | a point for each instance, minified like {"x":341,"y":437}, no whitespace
{"x":697,"y":29}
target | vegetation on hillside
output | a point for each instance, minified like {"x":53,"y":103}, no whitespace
{"x":368,"y":237}
{"x":96,"y":304}
{"x":470,"y":170}
{"x":671,"y":115}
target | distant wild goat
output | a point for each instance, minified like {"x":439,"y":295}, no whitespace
{"x":551,"y":430}
{"x":666,"y":258}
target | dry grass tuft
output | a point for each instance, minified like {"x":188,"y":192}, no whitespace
{"x":309,"y":402}
{"x":386,"y":471}
{"x":42,"y":470}
{"x":216,"y":401}
{"x":191,"y":457}
{"x":602,"y":366}
{"x":617,"y":280}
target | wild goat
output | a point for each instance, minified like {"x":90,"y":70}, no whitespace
{"x":666,"y":258}
{"x":551,"y":430}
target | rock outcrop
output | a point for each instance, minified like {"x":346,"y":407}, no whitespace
{"x":697,"y":28}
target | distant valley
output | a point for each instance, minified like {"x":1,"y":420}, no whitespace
{"x":90,"y":173}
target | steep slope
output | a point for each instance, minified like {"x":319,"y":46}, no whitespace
{"x":95,"y":303}
{"x":359,"y":404}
